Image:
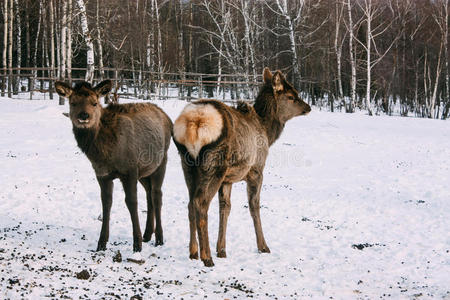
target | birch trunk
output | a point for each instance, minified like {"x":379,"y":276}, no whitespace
{"x":368,"y":59}
{"x":99,"y":42}
{"x":10,"y":47}
{"x":88,"y":40}
{"x":446,"y":54}
{"x":63,"y":41}
{"x":338,"y":52}
{"x":52,"y":48}
{"x":36,"y":44}
{"x":351,"y":106}
{"x":62,"y":46}
{"x":69,"y":41}
{"x":432,"y":104}
{"x":5,"y":44}
{"x":18,"y":47}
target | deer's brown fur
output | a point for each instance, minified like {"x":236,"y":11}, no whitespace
{"x":125,"y":141}
{"x":237,"y":152}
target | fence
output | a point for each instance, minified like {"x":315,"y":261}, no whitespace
{"x":136,"y":83}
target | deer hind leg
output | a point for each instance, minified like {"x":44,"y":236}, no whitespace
{"x":149,"y":225}
{"x":254,"y":182}
{"x":157,"y":179}
{"x":106,"y":187}
{"x":190,"y":177}
{"x":224,"y":211}
{"x":203,"y":196}
{"x":130,"y":187}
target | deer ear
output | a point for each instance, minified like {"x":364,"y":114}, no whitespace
{"x":103,"y":88}
{"x":278,"y":82}
{"x":267,"y":76}
{"x":63,"y":89}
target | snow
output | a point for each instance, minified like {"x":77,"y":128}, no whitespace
{"x":352,"y":206}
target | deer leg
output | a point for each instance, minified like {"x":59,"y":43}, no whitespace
{"x":106,"y":187}
{"x":202,"y":199}
{"x":190,"y":177}
{"x":254,"y":182}
{"x":224,"y":211}
{"x":193,"y":245}
{"x":149,"y":225}
{"x":130,"y":188}
{"x":156,"y":181}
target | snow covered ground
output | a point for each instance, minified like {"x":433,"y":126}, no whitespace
{"x":352,"y":207}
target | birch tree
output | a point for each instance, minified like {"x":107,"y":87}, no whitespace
{"x":5,"y":43}
{"x":88,"y":40}
{"x":338,"y":44}
{"x":18,"y":45}
{"x":352,"y":58}
{"x":52,"y":47}
{"x":10,"y":45}
{"x":372,"y":11}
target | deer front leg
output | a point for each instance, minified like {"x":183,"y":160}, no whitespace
{"x":224,"y":211}
{"x":130,"y":188}
{"x":254,"y":182}
{"x":106,"y":187}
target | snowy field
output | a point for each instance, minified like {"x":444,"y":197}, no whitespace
{"x":353,"y":207}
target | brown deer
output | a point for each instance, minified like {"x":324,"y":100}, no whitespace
{"x":220,"y":145}
{"x":125,"y":141}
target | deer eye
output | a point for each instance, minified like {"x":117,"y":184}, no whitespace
{"x":73,"y":104}
{"x":94,"y":104}
{"x":291,"y":97}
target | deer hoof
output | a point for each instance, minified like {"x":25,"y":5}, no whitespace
{"x":159,"y":242}
{"x":101,"y":247}
{"x":194,"y":256}
{"x":264,"y":250}
{"x":208,"y":262}
{"x":147,"y":237}
{"x":222,"y":254}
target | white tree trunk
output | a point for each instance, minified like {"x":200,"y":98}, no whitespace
{"x":368,"y":52}
{"x":63,"y":41}
{"x":352,"y":59}
{"x":10,"y":46}
{"x":338,"y":51}
{"x":69,"y":41}
{"x":19,"y":45}
{"x":432,"y":106}
{"x":5,"y":44}
{"x":99,"y":42}
{"x":52,"y":46}
{"x":88,"y":40}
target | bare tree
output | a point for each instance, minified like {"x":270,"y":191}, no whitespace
{"x":373,"y":10}
{"x":18,"y":46}
{"x":10,"y":45}
{"x":5,"y":43}
{"x":88,"y":40}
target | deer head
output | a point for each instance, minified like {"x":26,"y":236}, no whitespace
{"x":289,"y":104}
{"x":85,"y":108}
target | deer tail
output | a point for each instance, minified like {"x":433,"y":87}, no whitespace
{"x":198,"y":125}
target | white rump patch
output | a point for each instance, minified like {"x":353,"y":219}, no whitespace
{"x":198,"y":125}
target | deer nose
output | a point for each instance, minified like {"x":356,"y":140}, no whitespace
{"x":83,"y":115}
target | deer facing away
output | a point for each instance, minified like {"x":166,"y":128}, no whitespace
{"x":125,"y":141}
{"x":220,"y":145}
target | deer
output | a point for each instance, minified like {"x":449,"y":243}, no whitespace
{"x":124,"y":141}
{"x":220,"y":145}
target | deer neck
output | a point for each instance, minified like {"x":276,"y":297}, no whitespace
{"x":266,"y":108}
{"x":91,"y":141}
{"x":86,"y":139}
